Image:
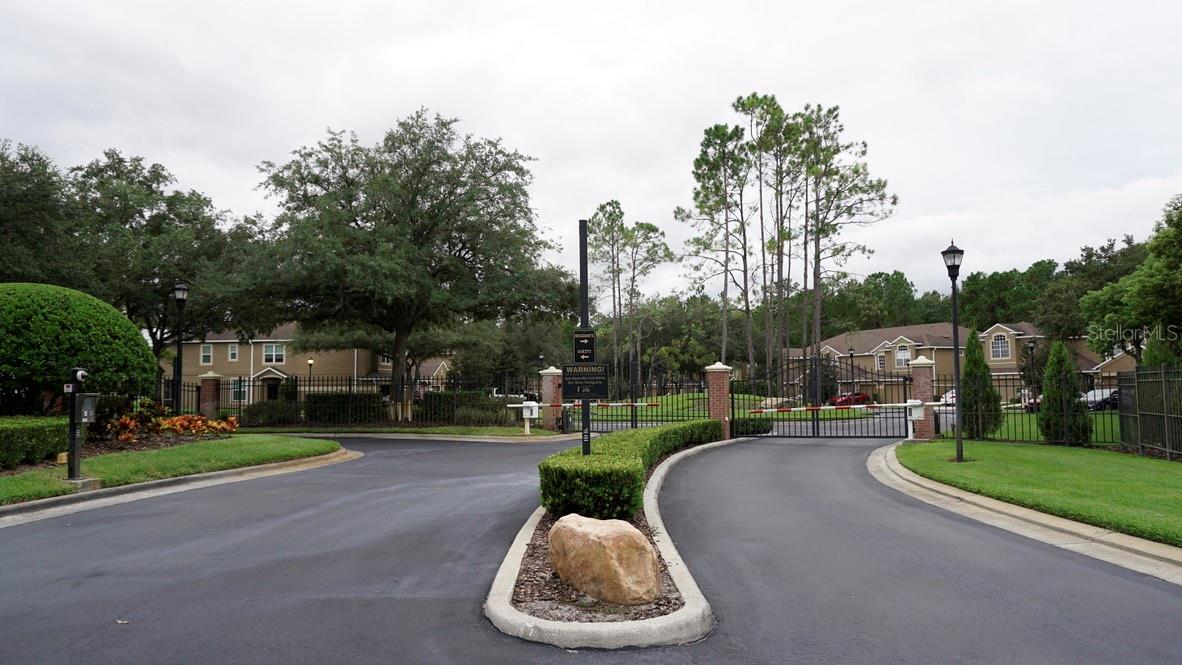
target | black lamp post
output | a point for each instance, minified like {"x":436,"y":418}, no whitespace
{"x":952,"y":259}
{"x":180,"y":293}
{"x":310,"y":363}
{"x":853,"y":385}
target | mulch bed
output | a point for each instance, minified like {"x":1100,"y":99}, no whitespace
{"x":539,"y":592}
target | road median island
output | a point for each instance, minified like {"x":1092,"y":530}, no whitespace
{"x":526,"y":601}
{"x":126,"y":469}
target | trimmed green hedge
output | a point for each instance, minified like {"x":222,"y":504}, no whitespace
{"x":270,"y":412}
{"x":343,"y":407}
{"x":609,"y":483}
{"x":750,"y":426}
{"x":28,"y":440}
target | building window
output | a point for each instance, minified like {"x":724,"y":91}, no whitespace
{"x":239,"y":390}
{"x":1000,"y":347}
{"x":902,"y":356}
{"x":207,"y":354}
{"x":881,"y":361}
{"x":386,"y":360}
{"x":232,"y":353}
{"x":273,"y":354}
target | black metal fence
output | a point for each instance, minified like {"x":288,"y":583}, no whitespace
{"x":657,"y":404}
{"x":1150,"y":401}
{"x":1017,"y":417}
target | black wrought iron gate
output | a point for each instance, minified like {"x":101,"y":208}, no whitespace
{"x":824,"y":397}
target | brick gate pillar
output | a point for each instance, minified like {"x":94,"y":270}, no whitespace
{"x":209,"y":398}
{"x":718,"y":392}
{"x":551,"y":394}
{"x":922,"y":378}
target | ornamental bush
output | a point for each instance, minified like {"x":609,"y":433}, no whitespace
{"x":1062,"y":415}
{"x":609,"y":483}
{"x":269,"y":413}
{"x":28,"y":440}
{"x":750,"y":426}
{"x":980,"y":402}
{"x":45,"y":330}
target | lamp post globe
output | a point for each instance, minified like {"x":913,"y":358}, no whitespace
{"x":310,"y":363}
{"x":953,"y":256}
{"x":180,"y":294}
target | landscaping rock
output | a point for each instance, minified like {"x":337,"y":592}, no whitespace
{"x":609,"y":560}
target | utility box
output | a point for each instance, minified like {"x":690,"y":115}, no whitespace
{"x":85,"y":407}
{"x":529,"y":410}
{"x":915,"y":409}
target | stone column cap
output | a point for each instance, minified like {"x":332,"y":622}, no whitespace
{"x":718,"y":367}
{"x":211,"y":375}
{"x":551,"y":371}
{"x":922,"y":361}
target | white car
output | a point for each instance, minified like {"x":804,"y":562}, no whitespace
{"x":1094,"y":397}
{"x":949,"y":397}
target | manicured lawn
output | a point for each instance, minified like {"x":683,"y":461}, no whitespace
{"x":694,"y":406}
{"x":136,"y":467}
{"x":461,"y":430}
{"x":1024,"y":427}
{"x":1134,"y":495}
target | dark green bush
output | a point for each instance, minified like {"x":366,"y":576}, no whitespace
{"x":609,"y":483}
{"x":271,"y":412}
{"x":28,"y":440}
{"x":45,"y":330}
{"x":980,"y":402}
{"x":750,"y":426}
{"x":344,"y":407}
{"x":1062,"y":415}
{"x":446,"y":407}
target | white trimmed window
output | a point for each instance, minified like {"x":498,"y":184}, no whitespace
{"x":232,"y":353}
{"x":999,"y":347}
{"x":881,"y":361}
{"x":207,"y":354}
{"x":274,"y":354}
{"x":239,"y":390}
{"x":902,"y":356}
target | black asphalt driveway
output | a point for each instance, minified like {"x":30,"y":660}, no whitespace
{"x":386,"y":559}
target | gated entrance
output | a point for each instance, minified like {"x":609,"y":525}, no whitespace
{"x":825,"y":397}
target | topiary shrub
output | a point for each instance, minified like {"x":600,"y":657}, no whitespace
{"x":1062,"y":415}
{"x":270,"y":413}
{"x":344,"y":407}
{"x":750,"y":426}
{"x":980,"y":402}
{"x":609,"y":483}
{"x":45,"y":330}
{"x":28,"y":440}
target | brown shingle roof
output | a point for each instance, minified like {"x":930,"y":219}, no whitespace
{"x":282,"y":331}
{"x":865,"y":341}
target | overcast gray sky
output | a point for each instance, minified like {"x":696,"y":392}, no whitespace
{"x":1023,"y":129}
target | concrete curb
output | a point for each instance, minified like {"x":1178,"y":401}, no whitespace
{"x":1144,"y":556}
{"x":433,"y":437}
{"x":692,"y":622}
{"x":31,"y":511}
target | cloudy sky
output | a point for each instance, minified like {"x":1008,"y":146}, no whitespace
{"x":1024,"y":130}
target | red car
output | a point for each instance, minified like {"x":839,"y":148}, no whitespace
{"x":850,"y":399}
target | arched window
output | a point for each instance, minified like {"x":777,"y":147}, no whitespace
{"x":902,"y":356}
{"x":1000,"y":347}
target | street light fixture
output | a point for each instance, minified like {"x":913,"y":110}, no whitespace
{"x":180,"y":293}
{"x":853,"y":384}
{"x":310,"y":363}
{"x":952,"y":260}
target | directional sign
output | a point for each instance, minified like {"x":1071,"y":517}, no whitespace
{"x":584,"y":346}
{"x":584,"y":381}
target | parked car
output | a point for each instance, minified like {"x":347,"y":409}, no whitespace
{"x":1095,"y":398}
{"x":949,"y":397}
{"x":1110,"y":401}
{"x":850,"y":399}
{"x":1032,"y":405}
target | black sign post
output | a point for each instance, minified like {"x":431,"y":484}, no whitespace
{"x":584,"y":324}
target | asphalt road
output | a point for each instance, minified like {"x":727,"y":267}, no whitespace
{"x":386,"y":559}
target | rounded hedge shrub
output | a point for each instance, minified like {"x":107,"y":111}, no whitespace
{"x":45,"y":330}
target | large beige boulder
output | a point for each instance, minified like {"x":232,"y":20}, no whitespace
{"x":610,"y":560}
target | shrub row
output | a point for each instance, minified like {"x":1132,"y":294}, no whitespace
{"x":28,"y":440}
{"x":270,"y":412}
{"x":609,"y":483}
{"x":343,"y":407}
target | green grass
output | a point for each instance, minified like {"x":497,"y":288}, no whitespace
{"x":1024,"y":427}
{"x":454,"y":430}
{"x":136,"y":467}
{"x":1135,"y":495}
